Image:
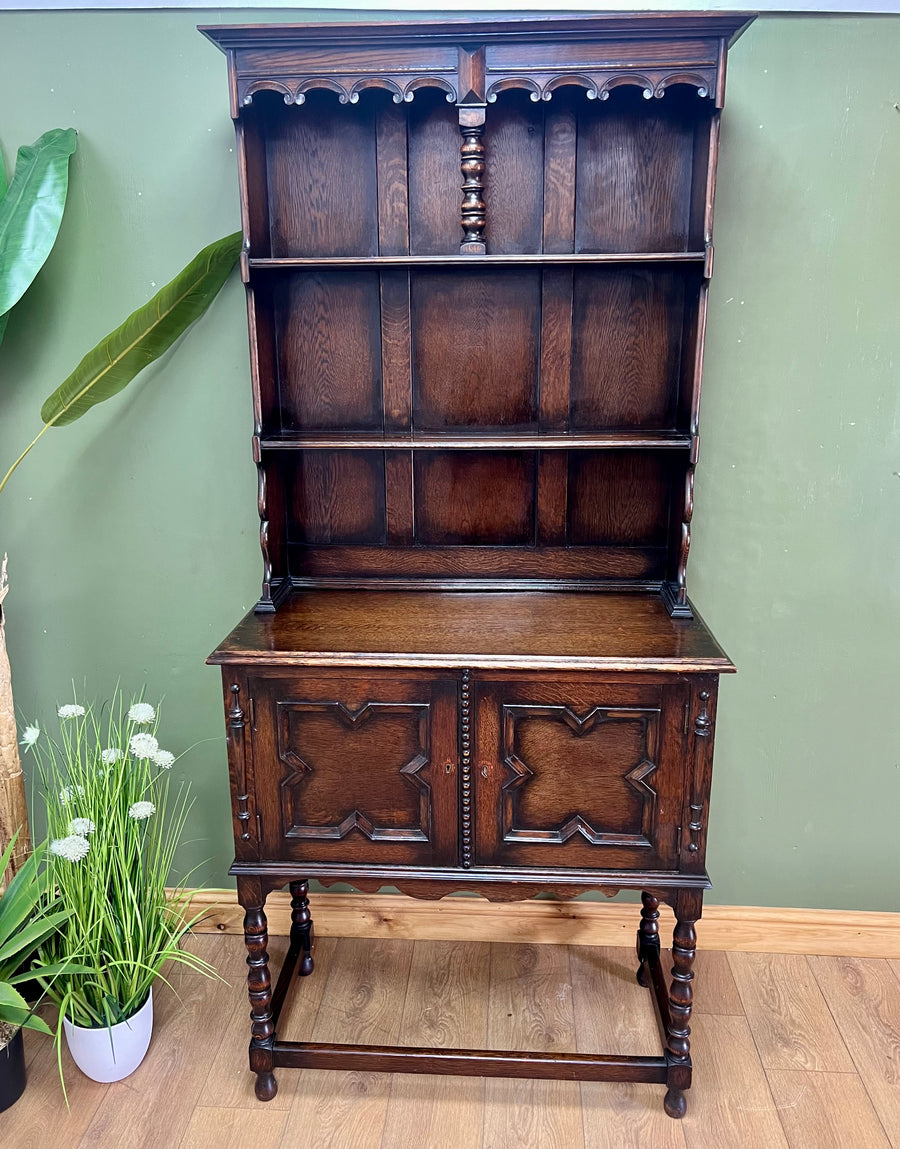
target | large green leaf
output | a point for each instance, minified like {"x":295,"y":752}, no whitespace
{"x":31,"y":211}
{"x":4,"y":318}
{"x":14,"y":1009}
{"x":145,"y":335}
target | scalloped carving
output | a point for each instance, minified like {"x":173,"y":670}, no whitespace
{"x":597,"y":85}
{"x":346,"y":87}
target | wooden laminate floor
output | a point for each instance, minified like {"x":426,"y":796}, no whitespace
{"x":789,"y":1051}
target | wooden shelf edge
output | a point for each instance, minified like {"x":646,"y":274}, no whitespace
{"x":600,"y":441}
{"x":312,"y":263}
{"x":413,"y":661}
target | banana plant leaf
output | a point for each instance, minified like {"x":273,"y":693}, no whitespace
{"x":145,"y":335}
{"x":31,"y":211}
{"x":4,"y":318}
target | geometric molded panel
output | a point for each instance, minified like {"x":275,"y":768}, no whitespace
{"x":571,"y":774}
{"x":354,"y":771}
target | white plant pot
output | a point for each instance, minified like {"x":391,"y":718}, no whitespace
{"x":113,"y":1053}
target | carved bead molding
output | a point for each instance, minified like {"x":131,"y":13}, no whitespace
{"x":466,"y":768}
{"x":654,"y":83}
{"x":347,"y":87}
{"x":472,"y":165}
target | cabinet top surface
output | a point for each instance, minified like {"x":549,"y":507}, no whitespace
{"x":516,"y":631}
{"x":633,"y":25}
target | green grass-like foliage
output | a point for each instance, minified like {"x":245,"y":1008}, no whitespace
{"x":31,"y":211}
{"x":24,"y":928}
{"x":144,"y":335}
{"x":108,"y":862}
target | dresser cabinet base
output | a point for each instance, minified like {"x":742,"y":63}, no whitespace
{"x":672,"y":1005}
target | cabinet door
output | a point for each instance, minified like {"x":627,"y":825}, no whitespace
{"x":358,"y":769}
{"x":579,"y":773}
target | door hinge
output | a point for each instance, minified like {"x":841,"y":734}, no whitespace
{"x":685,"y":726}
{"x":251,"y":706}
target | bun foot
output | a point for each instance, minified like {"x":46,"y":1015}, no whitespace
{"x":306,"y":965}
{"x":675,"y":1103}
{"x":641,"y":976}
{"x":266,"y":1086}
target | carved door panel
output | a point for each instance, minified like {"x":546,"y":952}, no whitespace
{"x":579,"y":773}
{"x":356,"y":769}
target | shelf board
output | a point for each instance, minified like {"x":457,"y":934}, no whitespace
{"x":354,"y":261}
{"x":600,"y":440}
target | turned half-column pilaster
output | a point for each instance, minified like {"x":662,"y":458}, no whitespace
{"x":472,"y":166}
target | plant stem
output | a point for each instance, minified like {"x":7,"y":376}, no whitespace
{"x":6,"y":477}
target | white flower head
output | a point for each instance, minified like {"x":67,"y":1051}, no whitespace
{"x":30,"y":735}
{"x":143,"y":745}
{"x":67,"y":793}
{"x":73,"y":848}
{"x":71,"y":710}
{"x":111,"y":756}
{"x":82,"y":827}
{"x":164,"y":759}
{"x":140,"y":811}
{"x":142,"y":713}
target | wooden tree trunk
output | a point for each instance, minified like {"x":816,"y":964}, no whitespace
{"x":13,"y":807}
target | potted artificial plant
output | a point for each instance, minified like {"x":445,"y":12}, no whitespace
{"x":114,"y":825}
{"x":27,"y":921}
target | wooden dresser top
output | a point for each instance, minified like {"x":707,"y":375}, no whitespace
{"x":443,"y":629}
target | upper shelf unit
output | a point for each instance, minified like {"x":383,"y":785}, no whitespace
{"x":477,"y":257}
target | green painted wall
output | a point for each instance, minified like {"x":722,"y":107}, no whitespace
{"x":132,"y":534}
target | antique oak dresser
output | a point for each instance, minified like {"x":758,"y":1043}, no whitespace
{"x":477,"y":256}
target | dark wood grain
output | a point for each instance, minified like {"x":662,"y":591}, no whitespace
{"x":476,"y":347}
{"x":395,"y":350}
{"x":337,"y":497}
{"x":514,"y":176}
{"x":398,"y":497}
{"x":579,"y":775}
{"x":474,"y":498}
{"x":626,"y":348}
{"x":469,"y":1062}
{"x":556,"y":348}
{"x":559,"y":178}
{"x":434,"y":178}
{"x":606,"y":631}
{"x":329,"y":375}
{"x":618,"y":498}
{"x":470,"y":566}
{"x":392,"y":199}
{"x":354,"y":769}
{"x":313,"y":208}
{"x":552,"y":497}
{"x":633,"y":181}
